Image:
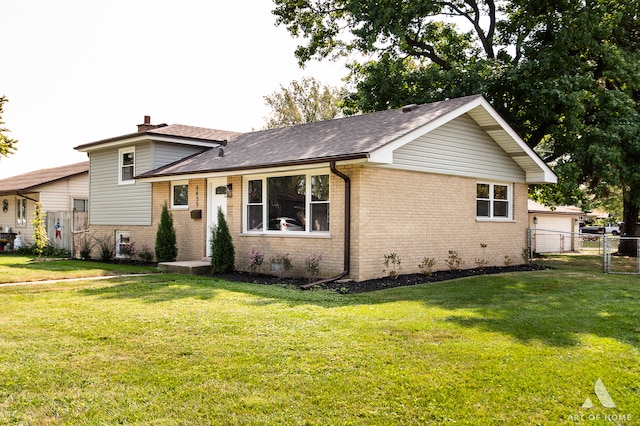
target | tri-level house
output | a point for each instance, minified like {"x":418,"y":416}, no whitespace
{"x":417,"y":181}
{"x":123,"y":207}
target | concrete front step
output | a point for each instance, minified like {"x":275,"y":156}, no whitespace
{"x":191,"y":267}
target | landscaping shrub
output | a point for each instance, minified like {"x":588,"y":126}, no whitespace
{"x":39,"y":230}
{"x":222,"y":251}
{"x":166,"y":244}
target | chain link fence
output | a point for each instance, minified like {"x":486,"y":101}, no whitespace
{"x":599,"y":251}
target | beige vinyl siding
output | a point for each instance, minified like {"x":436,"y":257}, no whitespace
{"x":58,"y":196}
{"x":167,"y":153}
{"x":114,"y":204}
{"x":459,"y":148}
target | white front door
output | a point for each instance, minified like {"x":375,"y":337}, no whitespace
{"x":217,"y":195}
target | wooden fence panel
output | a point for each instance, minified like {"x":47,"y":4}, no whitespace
{"x":62,"y":226}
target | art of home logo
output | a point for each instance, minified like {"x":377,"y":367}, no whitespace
{"x":605,"y":400}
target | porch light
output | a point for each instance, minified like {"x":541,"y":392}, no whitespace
{"x":229,"y":190}
{"x":535,"y":220}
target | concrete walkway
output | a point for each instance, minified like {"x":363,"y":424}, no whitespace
{"x":64,"y":280}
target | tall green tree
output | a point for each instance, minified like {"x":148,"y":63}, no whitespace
{"x":301,"y":102}
{"x":166,"y":244}
{"x":565,"y":74}
{"x":7,"y":144}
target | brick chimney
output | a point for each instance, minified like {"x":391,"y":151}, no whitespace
{"x":146,"y":126}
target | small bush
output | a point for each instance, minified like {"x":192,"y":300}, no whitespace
{"x":392,"y":265}
{"x":256,"y":259}
{"x":145,"y":254}
{"x":426,"y":266}
{"x":282,"y":264}
{"x":507,"y":260}
{"x":312,"y":265}
{"x":85,"y":248}
{"x":128,"y":250}
{"x":454,"y":260}
{"x":106,"y":247}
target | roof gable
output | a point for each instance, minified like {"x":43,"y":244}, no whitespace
{"x":31,"y":180}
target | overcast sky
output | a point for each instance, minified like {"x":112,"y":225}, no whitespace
{"x":78,"y":71}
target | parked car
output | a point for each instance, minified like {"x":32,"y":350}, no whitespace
{"x":285,"y":224}
{"x":612,"y":228}
{"x":282,"y":224}
{"x":608,"y":228}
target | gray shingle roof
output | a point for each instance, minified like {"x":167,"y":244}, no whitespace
{"x":179,"y":131}
{"x":31,"y":180}
{"x":338,"y":139}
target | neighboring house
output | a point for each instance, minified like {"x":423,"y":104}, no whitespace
{"x":58,"y":189}
{"x":556,"y":230}
{"x":121,"y":207}
{"x":418,"y":181}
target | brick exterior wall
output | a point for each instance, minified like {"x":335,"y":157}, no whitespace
{"x":413,"y":214}
{"x":419,"y":215}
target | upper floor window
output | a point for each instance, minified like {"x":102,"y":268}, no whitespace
{"x":127,"y":165}
{"x":493,"y":201}
{"x":180,"y":195}
{"x":287,"y":203}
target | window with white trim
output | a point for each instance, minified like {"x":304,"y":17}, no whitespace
{"x":124,"y":245}
{"x":294,"y":203}
{"x":180,"y":194}
{"x":493,"y":201}
{"x":21,"y":212}
{"x":127,"y":165}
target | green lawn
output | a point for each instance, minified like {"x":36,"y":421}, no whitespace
{"x":16,"y":268}
{"x":522,"y":348}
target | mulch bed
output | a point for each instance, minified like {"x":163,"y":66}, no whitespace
{"x":346,"y":287}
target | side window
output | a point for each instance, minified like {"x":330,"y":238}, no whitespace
{"x":255,"y":206}
{"x":319,"y":203}
{"x":80,"y":205}
{"x":127,"y":165}
{"x":21,"y":212}
{"x":180,"y":195}
{"x":493,"y":201}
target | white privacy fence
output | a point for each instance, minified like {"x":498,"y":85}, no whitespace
{"x":613,"y":254}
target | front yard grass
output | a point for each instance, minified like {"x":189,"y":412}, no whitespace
{"x":517,"y":348}
{"x":17,"y":268}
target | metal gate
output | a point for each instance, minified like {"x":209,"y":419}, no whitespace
{"x":616,"y":263}
{"x":597,"y":250}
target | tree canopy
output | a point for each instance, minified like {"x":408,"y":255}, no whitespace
{"x":565,"y":74}
{"x":303,"y":102}
{"x":7,"y":145}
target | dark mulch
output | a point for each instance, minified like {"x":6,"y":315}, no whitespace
{"x":345,"y":287}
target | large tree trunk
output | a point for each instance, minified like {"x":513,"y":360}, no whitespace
{"x":630,"y":228}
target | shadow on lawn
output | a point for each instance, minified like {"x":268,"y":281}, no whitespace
{"x":533,"y":306}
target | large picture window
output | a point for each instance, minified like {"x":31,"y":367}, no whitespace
{"x":127,"y":165}
{"x":493,"y":201}
{"x":297,"y":203}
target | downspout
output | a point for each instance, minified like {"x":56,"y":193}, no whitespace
{"x":347,"y":230}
